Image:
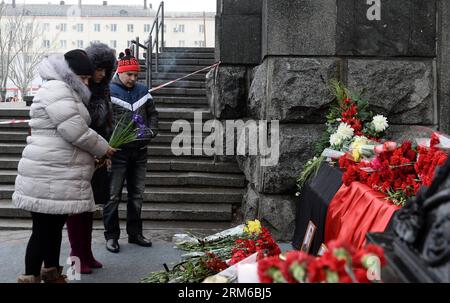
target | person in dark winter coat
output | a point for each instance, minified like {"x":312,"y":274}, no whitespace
{"x":131,"y":99}
{"x":79,"y":227}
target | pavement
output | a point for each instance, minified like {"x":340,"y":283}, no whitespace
{"x":128,"y":266}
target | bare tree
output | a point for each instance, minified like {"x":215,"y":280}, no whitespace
{"x":10,"y":25}
{"x":29,"y":54}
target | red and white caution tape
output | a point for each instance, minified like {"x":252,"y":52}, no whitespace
{"x":184,"y":77}
{"x":14,"y":121}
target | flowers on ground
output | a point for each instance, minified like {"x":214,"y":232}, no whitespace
{"x":253,"y":227}
{"x":340,"y":264}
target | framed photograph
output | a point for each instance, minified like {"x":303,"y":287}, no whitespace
{"x":309,"y":236}
{"x":323,"y":248}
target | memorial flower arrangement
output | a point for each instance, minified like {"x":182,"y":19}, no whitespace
{"x":350,"y":127}
{"x":396,"y":171}
{"x":212,"y":255}
{"x":256,"y":241}
{"x":340,"y":264}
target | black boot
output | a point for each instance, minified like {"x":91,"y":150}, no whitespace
{"x":140,"y":240}
{"x":112,"y":245}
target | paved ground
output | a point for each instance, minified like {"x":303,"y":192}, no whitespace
{"x":132,"y":263}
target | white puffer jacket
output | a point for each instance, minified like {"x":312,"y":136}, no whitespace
{"x":54,"y":174}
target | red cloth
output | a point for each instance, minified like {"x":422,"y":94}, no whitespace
{"x":356,"y":210}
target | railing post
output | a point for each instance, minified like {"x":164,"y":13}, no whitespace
{"x":137,"y":48}
{"x":157,"y":44}
{"x":149,"y":62}
{"x":162,"y":22}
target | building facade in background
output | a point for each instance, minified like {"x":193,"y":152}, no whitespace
{"x":65,"y":27}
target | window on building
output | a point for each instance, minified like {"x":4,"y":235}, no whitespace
{"x":114,"y":27}
{"x":165,"y":27}
{"x":130,"y":28}
{"x":147,"y":28}
{"x":80,"y":43}
{"x":96,"y":27}
{"x":80,"y":27}
{"x":181,"y":43}
{"x":46,"y":43}
{"x":63,"y":27}
{"x":113,"y":43}
{"x":29,"y":27}
{"x":46,"y":27}
{"x":199,"y":43}
{"x":128,"y":43}
{"x":179,"y":28}
{"x":63,"y":43}
{"x":201,"y":28}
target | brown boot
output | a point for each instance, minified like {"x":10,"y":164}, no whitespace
{"x":53,"y":275}
{"x":29,"y":279}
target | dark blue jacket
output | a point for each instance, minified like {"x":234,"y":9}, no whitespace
{"x":137,"y":100}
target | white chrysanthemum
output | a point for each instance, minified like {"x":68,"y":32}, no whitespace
{"x":380,"y":123}
{"x":345,"y":131}
{"x":335,"y":140}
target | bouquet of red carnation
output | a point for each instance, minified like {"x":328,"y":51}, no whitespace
{"x":429,"y":159}
{"x":261,"y":242}
{"x":340,"y":264}
{"x":391,"y":172}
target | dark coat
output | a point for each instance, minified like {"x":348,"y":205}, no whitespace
{"x":100,"y":111}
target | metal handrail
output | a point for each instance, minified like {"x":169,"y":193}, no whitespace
{"x":149,"y":45}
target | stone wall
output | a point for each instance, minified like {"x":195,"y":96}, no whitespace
{"x":305,"y":44}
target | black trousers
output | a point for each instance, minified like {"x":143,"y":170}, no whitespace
{"x":45,"y":242}
{"x":129,"y":165}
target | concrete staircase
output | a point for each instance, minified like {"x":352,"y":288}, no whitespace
{"x":184,"y":188}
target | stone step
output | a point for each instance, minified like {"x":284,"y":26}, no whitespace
{"x":166,"y":151}
{"x":12,"y":148}
{"x":165,"y":125}
{"x":181,"y":69}
{"x":170,"y":194}
{"x":180,"y":84}
{"x":166,"y":113}
{"x":178,"y":164}
{"x":181,"y":62}
{"x":188,"y":101}
{"x":188,"y":50}
{"x":14,"y":127}
{"x":185,"y":92}
{"x":150,"y":211}
{"x":14,"y":113}
{"x":13,"y":136}
{"x":184,"y":113}
{"x":192,"y":179}
{"x":173,"y":76}
{"x":181,"y":55}
{"x":20,"y":137}
{"x":174,"y":227}
{"x":153,"y":150}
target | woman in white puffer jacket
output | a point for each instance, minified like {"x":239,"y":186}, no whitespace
{"x":54,"y":174}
